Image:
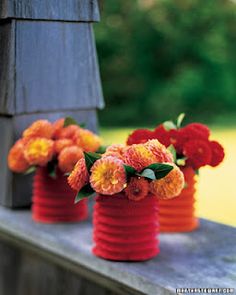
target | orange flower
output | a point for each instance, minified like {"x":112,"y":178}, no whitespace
{"x":68,"y":157}
{"x":108,"y":176}
{"x":69,"y":132}
{"x":16,"y":159}
{"x":40,"y":128}
{"x":115,"y":150}
{"x":39,"y":151}
{"x":57,"y":126}
{"x":169,"y":186}
{"x":160,"y":151}
{"x":137,"y":189}
{"x":60,"y":144}
{"x":139,"y":156}
{"x":88,"y":141}
{"x":79,"y":177}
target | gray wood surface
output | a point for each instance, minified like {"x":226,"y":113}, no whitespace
{"x":7,"y":66}
{"x":204,"y":258}
{"x":48,"y":66}
{"x":69,"y":10}
{"x":16,"y":188}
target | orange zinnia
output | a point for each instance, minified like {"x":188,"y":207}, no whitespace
{"x":139,"y":156}
{"x":160,"y":151}
{"x":16,"y":158}
{"x":108,"y":176}
{"x":39,"y":151}
{"x":60,"y":144}
{"x":40,"y":128}
{"x":79,"y":177}
{"x":88,"y":141}
{"x":68,"y":157}
{"x":169,"y":186}
{"x":115,"y":150}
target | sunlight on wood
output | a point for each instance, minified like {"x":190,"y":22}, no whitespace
{"x":216,"y":188}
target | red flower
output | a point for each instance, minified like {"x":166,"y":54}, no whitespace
{"x":195,"y":131}
{"x":198,"y":153}
{"x":217,"y":153}
{"x":140,"y":136}
{"x":137,"y":189}
{"x":162,"y":135}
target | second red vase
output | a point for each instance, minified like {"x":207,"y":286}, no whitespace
{"x":53,"y":199}
{"x":178,"y":214}
{"x":125,"y":230}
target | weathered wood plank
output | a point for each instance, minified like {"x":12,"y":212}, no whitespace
{"x":7,"y":66}
{"x":69,"y":10}
{"x":204,"y":258}
{"x":16,"y":188}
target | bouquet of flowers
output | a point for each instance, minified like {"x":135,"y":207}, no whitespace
{"x":192,"y":149}
{"x":52,"y":150}
{"x":128,"y":181}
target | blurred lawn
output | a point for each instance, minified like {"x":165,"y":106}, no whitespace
{"x":216,"y":187}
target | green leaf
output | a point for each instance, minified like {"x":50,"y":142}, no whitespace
{"x":30,"y":170}
{"x":168,"y":125}
{"x":130,"y":171}
{"x":172,"y":149}
{"x":185,"y":184}
{"x":82,"y":125}
{"x":52,"y":167}
{"x":160,"y":169}
{"x":147,"y":173}
{"x":180,"y":120}
{"x":70,"y":121}
{"x":85,"y":192}
{"x":101,"y":149}
{"x":197,"y":172}
{"x":90,"y":159}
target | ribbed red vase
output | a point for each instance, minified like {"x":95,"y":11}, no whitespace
{"x":125,"y":230}
{"x":178,"y":214}
{"x":53,"y":199}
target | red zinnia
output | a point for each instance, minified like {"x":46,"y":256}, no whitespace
{"x":198,"y":153}
{"x":217,"y":153}
{"x":195,"y":131}
{"x":140,"y":136}
{"x":162,"y":135}
{"x":137,"y":189}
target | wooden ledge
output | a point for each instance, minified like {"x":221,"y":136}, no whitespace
{"x":205,"y":258}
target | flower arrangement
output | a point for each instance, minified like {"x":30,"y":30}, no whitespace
{"x":126,"y":180}
{"x":52,"y":145}
{"x":135,"y":170}
{"x":190,"y":145}
{"x":191,"y":148}
{"x":52,"y":150}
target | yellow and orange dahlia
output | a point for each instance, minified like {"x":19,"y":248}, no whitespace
{"x":39,"y":151}
{"x":16,"y":158}
{"x":56,"y":127}
{"x":40,"y":128}
{"x":79,"y":177}
{"x":69,"y":132}
{"x":137,"y":189}
{"x":169,"y":186}
{"x":68,"y":157}
{"x":88,"y":141}
{"x":139,"y":156}
{"x":108,"y":176}
{"x":161,"y":153}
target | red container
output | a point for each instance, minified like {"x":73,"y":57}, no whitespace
{"x":178,"y":214}
{"x":125,"y":230}
{"x":53,"y":199}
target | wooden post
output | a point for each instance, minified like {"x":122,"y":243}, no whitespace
{"x":48,"y":69}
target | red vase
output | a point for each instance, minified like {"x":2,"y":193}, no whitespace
{"x":53,"y":199}
{"x":125,"y":230}
{"x":178,"y":214}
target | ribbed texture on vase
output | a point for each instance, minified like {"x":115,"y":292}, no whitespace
{"x":53,"y":199}
{"x":125,"y":230}
{"x":178,"y":214}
